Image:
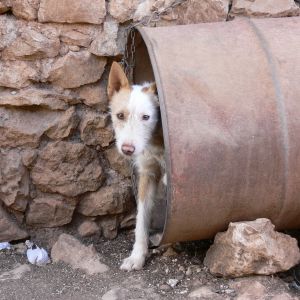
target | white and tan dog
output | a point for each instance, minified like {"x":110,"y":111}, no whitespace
{"x":136,"y":122}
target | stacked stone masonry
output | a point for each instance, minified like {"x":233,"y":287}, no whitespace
{"x":57,"y":156}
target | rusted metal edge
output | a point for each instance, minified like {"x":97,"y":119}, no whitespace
{"x":159,"y":239}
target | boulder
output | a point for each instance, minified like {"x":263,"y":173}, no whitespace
{"x":33,"y":44}
{"x":69,"y":250}
{"x":76,"y":69}
{"x":28,"y":157}
{"x":252,"y":247}
{"x":5,"y":6}
{"x":88,"y":228}
{"x":206,"y":292}
{"x":109,"y":226}
{"x":14,"y":180}
{"x":251,"y":288}
{"x":193,"y":11}
{"x":33,"y":96}
{"x":24,"y":127}
{"x":17,"y":74}
{"x":9,"y":229}
{"x":75,"y":37}
{"x":9,"y":27}
{"x":25,"y":9}
{"x":106,"y":42}
{"x":50,"y":210}
{"x":112,"y":199}
{"x":94,"y":95}
{"x":64,"y":125}
{"x":122,"y":10}
{"x":68,"y":168}
{"x":95,"y":129}
{"x":69,"y":11}
{"x":262,"y":8}
{"x":261,"y":287}
{"x":189,"y":12}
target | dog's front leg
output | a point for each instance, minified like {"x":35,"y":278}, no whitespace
{"x":146,"y":192}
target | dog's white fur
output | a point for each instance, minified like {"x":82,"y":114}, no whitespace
{"x":144,"y":136}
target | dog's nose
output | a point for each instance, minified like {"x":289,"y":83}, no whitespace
{"x":128,"y":149}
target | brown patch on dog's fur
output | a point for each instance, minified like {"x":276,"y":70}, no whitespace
{"x":152,"y":173}
{"x":150,"y":89}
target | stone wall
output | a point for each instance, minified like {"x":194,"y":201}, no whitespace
{"x":57,"y":155}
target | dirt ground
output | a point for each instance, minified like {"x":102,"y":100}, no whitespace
{"x":183,"y":265}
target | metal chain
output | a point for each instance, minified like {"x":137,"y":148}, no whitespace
{"x":128,"y":60}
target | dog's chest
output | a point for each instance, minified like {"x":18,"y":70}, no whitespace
{"x":151,"y":158}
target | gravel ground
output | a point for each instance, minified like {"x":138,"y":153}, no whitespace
{"x":180,"y":264}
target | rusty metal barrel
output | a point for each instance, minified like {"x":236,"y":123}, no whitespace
{"x":230,"y":106}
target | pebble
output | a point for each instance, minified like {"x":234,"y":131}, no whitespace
{"x":189,"y":271}
{"x":172,"y":282}
{"x":229,"y":291}
{"x":181,"y":269}
{"x":155,"y":251}
{"x":170,"y":252}
{"x":165,"y":287}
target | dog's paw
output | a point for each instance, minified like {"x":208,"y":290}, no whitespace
{"x":133,"y":263}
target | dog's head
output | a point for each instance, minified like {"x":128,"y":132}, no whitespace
{"x":134,"y":112}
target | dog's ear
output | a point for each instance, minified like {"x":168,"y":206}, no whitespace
{"x":116,"y":80}
{"x":151,"y":88}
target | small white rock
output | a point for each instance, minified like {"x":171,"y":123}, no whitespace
{"x":188,"y":271}
{"x":172,"y":282}
{"x":5,"y":245}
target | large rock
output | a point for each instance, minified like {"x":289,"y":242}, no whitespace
{"x":17,"y":74}
{"x":107,"y":42}
{"x":252,"y":247}
{"x":20,"y":127}
{"x":95,"y":129}
{"x":112,"y":199}
{"x":75,"y":37}
{"x":14,"y":180}
{"x":5,"y":6}
{"x":67,"y":168}
{"x":50,"y":210}
{"x":94,"y":95}
{"x":88,"y":228}
{"x":206,"y":292}
{"x":8,"y":29}
{"x":33,"y":44}
{"x":123,"y":10}
{"x":69,"y":250}
{"x":32,"y":96}
{"x":189,"y":12}
{"x":64,"y":125}
{"x":26,"y":9}
{"x":76,"y":69}
{"x":69,"y":11}
{"x":250,"y":288}
{"x":9,"y":229}
{"x":263,"y":8}
{"x":109,"y":226}
{"x":193,"y":11}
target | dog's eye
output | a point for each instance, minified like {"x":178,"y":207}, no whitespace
{"x":120,"y":116}
{"x":146,"y":117}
